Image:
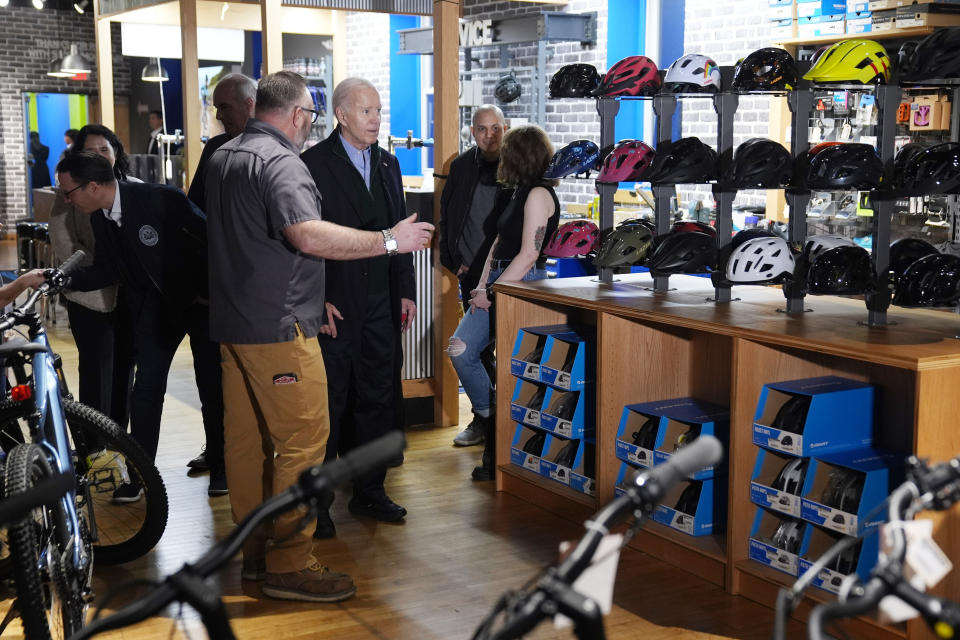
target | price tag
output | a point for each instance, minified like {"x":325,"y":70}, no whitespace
{"x":596,"y":582}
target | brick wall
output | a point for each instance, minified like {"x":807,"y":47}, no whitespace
{"x":725,"y":30}
{"x":30,"y":39}
{"x":368,"y":56}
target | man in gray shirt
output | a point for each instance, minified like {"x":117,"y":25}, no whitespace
{"x":267,"y":242}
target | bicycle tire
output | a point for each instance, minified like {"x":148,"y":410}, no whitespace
{"x":122,"y":532}
{"x":48,"y":608}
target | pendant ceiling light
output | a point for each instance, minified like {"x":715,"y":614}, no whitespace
{"x":154,"y":72}
{"x":75,"y":63}
{"x":56,"y":69}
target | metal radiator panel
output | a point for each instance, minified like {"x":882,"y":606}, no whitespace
{"x":418,"y":347}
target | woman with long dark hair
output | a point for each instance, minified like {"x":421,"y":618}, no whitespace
{"x":100,"y":328}
{"x":530,"y":216}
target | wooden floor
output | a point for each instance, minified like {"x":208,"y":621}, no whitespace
{"x":432,"y":577}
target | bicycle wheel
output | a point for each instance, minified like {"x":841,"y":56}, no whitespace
{"x":105,"y":459}
{"x":51,"y":603}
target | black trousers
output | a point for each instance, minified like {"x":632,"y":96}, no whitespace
{"x":157,"y":332}
{"x":93,"y":333}
{"x":468,"y":282}
{"x":361,"y":379}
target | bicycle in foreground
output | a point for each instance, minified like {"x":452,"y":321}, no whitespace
{"x":44,"y":433}
{"x":189,"y":585}
{"x":927,"y":488}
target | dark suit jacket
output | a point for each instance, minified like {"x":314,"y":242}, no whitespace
{"x":160,"y":247}
{"x":346,"y":285}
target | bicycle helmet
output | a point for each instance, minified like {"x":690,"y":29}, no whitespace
{"x":625,"y":246}
{"x":507,"y":89}
{"x":725,"y":251}
{"x":841,"y":271}
{"x":646,"y":436}
{"x":906,"y":251}
{"x":767,"y":69}
{"x":686,"y":252}
{"x":936,"y":169}
{"x":846,"y":166}
{"x":931,"y":281}
{"x":863,"y":61}
{"x":818,"y":244}
{"x":687,"y":503}
{"x":790,"y":478}
{"x":905,"y":154}
{"x":843,"y":490}
{"x":688,"y":436}
{"x":787,"y":536}
{"x":629,"y":161}
{"x":846,"y":562}
{"x":692,"y":73}
{"x":574,"y":81}
{"x":580,"y":156}
{"x":760,"y":163}
{"x":536,"y":354}
{"x":536,"y":401}
{"x":682,"y":226}
{"x":632,"y":76}
{"x":792,"y":416}
{"x":534,"y":444}
{"x":568,"y":454}
{"x":761,"y":260}
{"x":572,"y":239}
{"x":687,"y":160}
{"x":936,"y":57}
{"x":565,"y":405}
{"x":604,"y":152}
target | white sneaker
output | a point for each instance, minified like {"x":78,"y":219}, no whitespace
{"x":472,"y":435}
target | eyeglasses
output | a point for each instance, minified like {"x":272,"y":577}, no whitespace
{"x":314,"y":113}
{"x":66,"y":194}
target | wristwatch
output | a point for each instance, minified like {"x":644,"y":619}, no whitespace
{"x":390,"y":243}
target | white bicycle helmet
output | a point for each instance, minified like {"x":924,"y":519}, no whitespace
{"x":693,"y":73}
{"x":818,"y":244}
{"x":760,"y":260}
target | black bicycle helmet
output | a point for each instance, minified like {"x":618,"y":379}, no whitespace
{"x":687,"y":503}
{"x":843,"y":490}
{"x":684,"y":252}
{"x":646,"y":436}
{"x":936,"y":57}
{"x":790,"y":478}
{"x":846,"y":562}
{"x":846,"y":166}
{"x":931,"y":281}
{"x":760,"y":163}
{"x":574,"y":81}
{"x":904,"y":156}
{"x":507,"y":89}
{"x":768,"y":69}
{"x":580,"y":156}
{"x":625,"y":246}
{"x":536,"y":353}
{"x":536,"y":400}
{"x":565,"y":405}
{"x":568,"y":454}
{"x":685,"y":161}
{"x":688,"y":436}
{"x":534,"y":444}
{"x":842,"y":271}
{"x":792,"y":416}
{"x":936,"y":169}
{"x":906,"y":251}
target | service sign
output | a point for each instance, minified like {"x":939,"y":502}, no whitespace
{"x":475,"y":33}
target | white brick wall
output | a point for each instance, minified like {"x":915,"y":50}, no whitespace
{"x":368,"y":56}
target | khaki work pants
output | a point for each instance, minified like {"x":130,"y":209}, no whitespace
{"x":276,"y":424}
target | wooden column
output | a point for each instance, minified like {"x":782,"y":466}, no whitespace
{"x":446,"y":136}
{"x":272,"y":34}
{"x":190,"y":85}
{"x":104,"y":68}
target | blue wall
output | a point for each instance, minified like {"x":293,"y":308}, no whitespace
{"x":671,"y":46}
{"x":626,"y":31}
{"x":405,"y":95}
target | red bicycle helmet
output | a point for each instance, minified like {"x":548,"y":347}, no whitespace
{"x":693,"y":225}
{"x":627,"y":162}
{"x":632,"y":76}
{"x":572,"y":239}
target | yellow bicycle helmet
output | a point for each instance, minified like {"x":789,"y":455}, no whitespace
{"x":863,"y":61}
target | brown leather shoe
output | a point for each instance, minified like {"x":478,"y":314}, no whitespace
{"x":254,"y":568}
{"x":313,"y":584}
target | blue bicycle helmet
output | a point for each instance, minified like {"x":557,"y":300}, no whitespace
{"x":580,"y":156}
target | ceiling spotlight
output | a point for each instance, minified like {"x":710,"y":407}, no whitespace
{"x":81,"y":6}
{"x":154,"y":72}
{"x":38,"y":4}
{"x":75,"y":63}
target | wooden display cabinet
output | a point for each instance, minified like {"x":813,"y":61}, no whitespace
{"x":654,"y":346}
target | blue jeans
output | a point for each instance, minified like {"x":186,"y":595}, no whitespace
{"x":475,"y":335}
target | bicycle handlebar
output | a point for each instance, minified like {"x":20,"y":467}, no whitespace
{"x":362,"y":460}
{"x":56,"y":279}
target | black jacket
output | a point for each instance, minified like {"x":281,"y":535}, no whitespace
{"x":455,"y":203}
{"x":346,"y":285}
{"x":160,"y":247}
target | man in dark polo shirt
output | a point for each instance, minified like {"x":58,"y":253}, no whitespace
{"x":369,"y":302}
{"x":267,"y":244}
